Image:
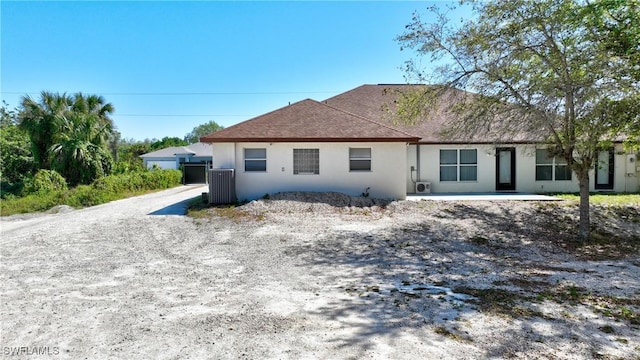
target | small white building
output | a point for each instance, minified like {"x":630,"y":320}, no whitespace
{"x":194,"y":160}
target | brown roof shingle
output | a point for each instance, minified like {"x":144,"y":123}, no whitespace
{"x":378,"y":103}
{"x":309,"y":121}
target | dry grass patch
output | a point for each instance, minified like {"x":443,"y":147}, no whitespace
{"x":441,"y":330}
{"x":200,"y":210}
{"x":615,"y":226}
{"x":514,"y":304}
{"x":500,"y":302}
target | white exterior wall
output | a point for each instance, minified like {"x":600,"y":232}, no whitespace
{"x":429,"y":169}
{"x":386,"y":179}
{"x":162,"y":164}
{"x":223,"y":156}
{"x":626,"y":175}
{"x":411,"y":176}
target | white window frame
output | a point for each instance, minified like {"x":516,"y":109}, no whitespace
{"x":458,"y":165}
{"x":354,"y":157}
{"x":554,"y":163}
{"x":301,"y":159}
{"x":255,"y":159}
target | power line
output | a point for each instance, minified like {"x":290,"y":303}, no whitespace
{"x":184,"y":115}
{"x":188,"y":93}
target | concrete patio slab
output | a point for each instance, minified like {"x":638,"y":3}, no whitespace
{"x":481,"y":197}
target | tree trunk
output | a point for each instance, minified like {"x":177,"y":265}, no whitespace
{"x":584,"y":228}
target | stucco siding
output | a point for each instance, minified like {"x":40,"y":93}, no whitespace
{"x":429,"y":170}
{"x":391,"y":175}
{"x":385,"y":180}
{"x":411,"y":174}
{"x":223,"y":156}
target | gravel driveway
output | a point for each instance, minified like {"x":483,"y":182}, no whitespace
{"x":298,"y":279}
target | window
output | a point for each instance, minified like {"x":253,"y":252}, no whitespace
{"x":306,"y":161}
{"x":459,"y":165}
{"x":359,"y":159}
{"x":550,"y":168}
{"x":448,"y":165}
{"x":562,"y":170}
{"x":468,"y":165}
{"x":255,"y":160}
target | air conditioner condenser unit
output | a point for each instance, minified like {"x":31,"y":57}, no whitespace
{"x":423,"y":187}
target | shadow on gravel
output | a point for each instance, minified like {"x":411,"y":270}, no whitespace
{"x":179,"y":208}
{"x":416,"y":279}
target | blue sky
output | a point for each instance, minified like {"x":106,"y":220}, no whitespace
{"x":170,"y":66}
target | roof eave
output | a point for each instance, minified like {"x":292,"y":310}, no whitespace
{"x":310,"y":140}
{"x":475,"y":142}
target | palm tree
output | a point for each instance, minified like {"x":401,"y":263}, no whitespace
{"x":78,"y":160}
{"x":40,"y":120}
{"x":70,"y":134}
{"x":100,"y":126}
{"x":80,"y":153}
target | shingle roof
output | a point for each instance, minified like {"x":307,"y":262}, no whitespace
{"x":182,"y":150}
{"x":309,"y":121}
{"x":371,"y":101}
{"x":378,"y":103}
{"x":200,"y":149}
{"x":197,"y":149}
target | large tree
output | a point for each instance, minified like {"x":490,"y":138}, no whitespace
{"x":70,"y":134}
{"x":615,"y":27}
{"x":536,"y":66}
{"x":129,"y":151}
{"x":167,"y":142}
{"x":614,"y":24}
{"x":202,"y":130}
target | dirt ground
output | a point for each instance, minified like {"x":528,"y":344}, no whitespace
{"x":319,"y":276}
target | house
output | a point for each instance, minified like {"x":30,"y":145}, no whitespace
{"x":352,"y":143}
{"x":483,"y":163}
{"x":311,"y":146}
{"x":194,"y":160}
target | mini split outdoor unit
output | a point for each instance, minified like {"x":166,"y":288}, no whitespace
{"x":423,"y":187}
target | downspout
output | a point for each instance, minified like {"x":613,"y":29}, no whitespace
{"x":235,"y":155}
{"x":418,"y":162}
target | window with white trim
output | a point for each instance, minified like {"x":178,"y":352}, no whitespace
{"x":458,"y":165}
{"x":255,"y":160}
{"x":359,"y":159}
{"x":306,"y":161}
{"x":550,"y":168}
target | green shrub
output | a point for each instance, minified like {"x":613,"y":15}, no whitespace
{"x":32,"y":203}
{"x":164,"y":178}
{"x":144,"y":180}
{"x":113,"y":183}
{"x":102,"y":190}
{"x":87,"y":195}
{"x":11,"y":190}
{"x":45,"y":181}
